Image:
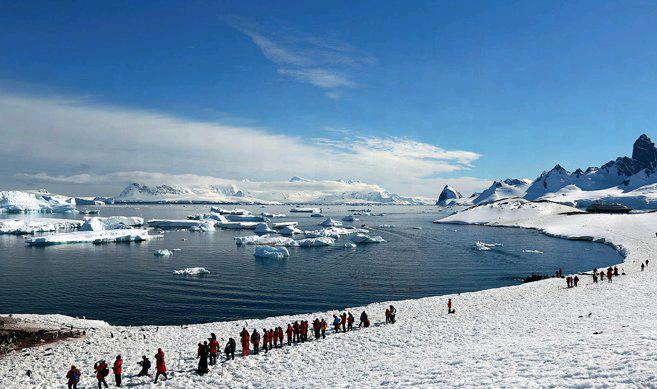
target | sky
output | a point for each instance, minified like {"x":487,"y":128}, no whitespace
{"x":407,"y":95}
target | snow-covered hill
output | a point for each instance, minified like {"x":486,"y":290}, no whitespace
{"x":505,"y":189}
{"x":295,"y":191}
{"x":448,"y":196}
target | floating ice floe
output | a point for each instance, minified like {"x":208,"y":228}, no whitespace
{"x":110,"y":223}
{"x":97,"y":237}
{"x":334,"y":232}
{"x":386,"y":226}
{"x":265,"y":240}
{"x":263,"y":228}
{"x":271,"y":252}
{"x":206,"y":226}
{"x":306,"y":210}
{"x":316,"y":242}
{"x":330,"y":223}
{"x":273,"y":215}
{"x":284,"y":224}
{"x":289,"y":231}
{"x":349,"y":245}
{"x":14,"y":201}
{"x":34,"y":225}
{"x":238,"y":225}
{"x":181,"y":224}
{"x":481,"y":246}
{"x":316,"y":215}
{"x":163,"y":253}
{"x":416,"y":227}
{"x":363,"y":238}
{"x":223,"y":211}
{"x":191,"y":271}
{"x":245,"y":218}
{"x":532,"y":251}
{"x":349,"y":218}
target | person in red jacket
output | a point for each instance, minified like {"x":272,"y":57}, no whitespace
{"x":102,"y":370}
{"x":73,"y":377}
{"x":297,"y":331}
{"x":214,"y":348}
{"x":117,"y":369}
{"x":160,"y":365}
{"x":255,"y":340}
{"x":449,"y":306}
{"x":350,"y":321}
{"x":343,"y":321}
{"x":289,"y":331}
{"x":244,"y":336}
{"x":280,"y":336}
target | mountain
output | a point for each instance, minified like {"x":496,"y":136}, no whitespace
{"x":508,"y":188}
{"x":295,"y":191}
{"x":448,"y":195}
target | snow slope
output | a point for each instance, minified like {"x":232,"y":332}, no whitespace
{"x":533,"y":335}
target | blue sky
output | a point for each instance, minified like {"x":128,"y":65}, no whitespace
{"x":461,"y":92}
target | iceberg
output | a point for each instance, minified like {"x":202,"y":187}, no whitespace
{"x":284,"y":224}
{"x":481,"y":246}
{"x":245,"y":218}
{"x":179,"y":224}
{"x":289,"y":231}
{"x":34,"y":225}
{"x":330,"y":223}
{"x":163,"y":253}
{"x":273,"y":215}
{"x":191,"y":271}
{"x":363,"y":238}
{"x":110,"y":223}
{"x":349,"y":245}
{"x":271,"y":252}
{"x":349,"y":218}
{"x":334,"y":232}
{"x":265,"y":240}
{"x":96,"y":237}
{"x":532,"y":251}
{"x":306,"y":210}
{"x":263,"y":228}
{"x":238,"y":225}
{"x":316,"y":215}
{"x":316,"y":242}
{"x":19,"y":201}
{"x":223,"y":211}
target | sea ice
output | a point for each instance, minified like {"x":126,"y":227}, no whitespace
{"x":34,"y":225}
{"x":316,"y":242}
{"x":284,"y":224}
{"x":178,"y":224}
{"x":271,"y":252}
{"x":110,"y":223}
{"x":349,"y":245}
{"x":191,"y":271}
{"x":273,"y":215}
{"x":289,"y":230}
{"x":265,"y":240}
{"x":330,"y":223}
{"x":263,"y":228}
{"x":363,"y":238}
{"x":532,"y":251}
{"x":163,"y":253}
{"x":97,"y":237}
{"x":349,"y":218}
{"x":316,"y":215}
{"x":306,"y":210}
{"x":481,"y":246}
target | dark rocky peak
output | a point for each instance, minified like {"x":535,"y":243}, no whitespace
{"x":644,"y":152}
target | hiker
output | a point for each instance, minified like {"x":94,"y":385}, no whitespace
{"x":560,"y":272}
{"x":160,"y":365}
{"x":343,"y":321}
{"x":610,"y":273}
{"x":145,"y":364}
{"x":255,"y":340}
{"x":449,"y":306}
{"x":336,"y":323}
{"x":202,"y":355}
{"x":615,"y":271}
{"x":647,"y":262}
{"x":230,"y":349}
{"x":73,"y":376}
{"x":275,"y":336}
{"x":297,"y":331}
{"x":364,"y":320}
{"x":393,"y":314}
{"x":102,"y":370}
{"x":350,"y":322}
{"x":387,"y":315}
{"x":602,"y":275}
{"x":323,"y":325}
{"x":316,"y":328}
{"x":280,"y":336}
{"x":265,"y":340}
{"x":569,"y":282}
{"x":117,"y":369}
{"x":595,"y":276}
{"x":575,"y":280}
{"x":271,"y":338}
{"x":642,"y":266}
{"x":289,"y":332}
{"x":244,"y":336}
{"x":214,"y":348}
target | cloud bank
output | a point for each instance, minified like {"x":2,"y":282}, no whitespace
{"x":66,"y":142}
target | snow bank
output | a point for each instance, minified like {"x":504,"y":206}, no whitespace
{"x":97,"y":237}
{"x":191,"y":271}
{"x":17,"y":202}
{"x":33,"y":225}
{"x":271,"y":252}
{"x":363,"y":238}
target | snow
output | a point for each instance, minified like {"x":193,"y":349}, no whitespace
{"x":97,"y":237}
{"x":539,"y":334}
{"x":447,"y":195}
{"x":330,"y":223}
{"x":179,"y":224}
{"x":191,"y":271}
{"x":363,"y":238}
{"x":20,"y":201}
{"x":28,"y":225}
{"x":163,"y":253}
{"x":263,"y":228}
{"x":271,"y":252}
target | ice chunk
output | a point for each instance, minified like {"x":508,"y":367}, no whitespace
{"x":223,"y":211}
{"x":245,"y":218}
{"x":238,"y":225}
{"x":284,"y":224}
{"x":289,"y":230}
{"x":330,"y":223}
{"x":18,"y":201}
{"x":481,"y":246}
{"x":33,"y":225}
{"x":316,"y":242}
{"x":363,"y":238}
{"x":163,"y":253}
{"x":334,"y":232}
{"x":271,"y":252}
{"x":97,"y":237}
{"x":306,"y":210}
{"x":532,"y":251}
{"x":273,"y":215}
{"x":263,"y":228}
{"x":265,"y":240}
{"x":191,"y":271}
{"x":110,"y":223}
{"x":349,"y":218}
{"x":316,"y":215}
{"x":349,"y":245}
{"x":180,"y":224}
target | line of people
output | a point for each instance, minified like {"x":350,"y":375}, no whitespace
{"x":101,"y":368}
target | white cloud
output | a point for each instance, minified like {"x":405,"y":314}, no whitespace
{"x":319,"y":77}
{"x":71,"y":141}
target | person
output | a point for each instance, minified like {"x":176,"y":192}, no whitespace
{"x":160,"y":365}
{"x":560,"y":272}
{"x":265,"y":340}
{"x":324,"y":325}
{"x":73,"y":376}
{"x":350,"y":322}
{"x":102,"y":370}
{"x":449,"y":306}
{"x":117,"y":369}
{"x":297,"y":331}
{"x":615,"y":271}
{"x":214,"y":348}
{"x":610,"y":274}
{"x":280,"y":336}
{"x":271,"y":338}
{"x":244,"y":337}
{"x":145,"y":364}
{"x":647,"y":262}
{"x":275,"y":335}
{"x":569,"y":281}
{"x":336,"y":323}
{"x":343,"y":321}
{"x":255,"y":340}
{"x":602,"y":275}
{"x":202,"y":355}
{"x":316,"y":328}
{"x":641,"y":266}
{"x":364,"y":320}
{"x":230,"y":349}
{"x":387,"y":316}
{"x":393,"y":314}
{"x":595,"y":276}
{"x":304,"y":330}
{"x":575,"y":280}
{"x":289,"y":332}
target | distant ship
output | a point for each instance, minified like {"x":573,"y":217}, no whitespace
{"x":608,"y":208}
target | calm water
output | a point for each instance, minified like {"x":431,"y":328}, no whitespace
{"x":127,"y":284}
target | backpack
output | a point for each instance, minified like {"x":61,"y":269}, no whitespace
{"x":105,"y":371}
{"x":75,"y":376}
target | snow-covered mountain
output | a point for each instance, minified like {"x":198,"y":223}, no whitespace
{"x":296,"y":190}
{"x":448,"y":195}
{"x":511,"y":187}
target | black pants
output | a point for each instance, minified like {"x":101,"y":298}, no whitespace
{"x":256,"y":346}
{"x":230,"y":355}
{"x":323,"y":334}
{"x":102,"y":382}
{"x":143,"y":372}
{"x":289,"y":341}
{"x":72,"y":385}
{"x":213,"y":358}
{"x":158,"y":374}
{"x":117,"y":379}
